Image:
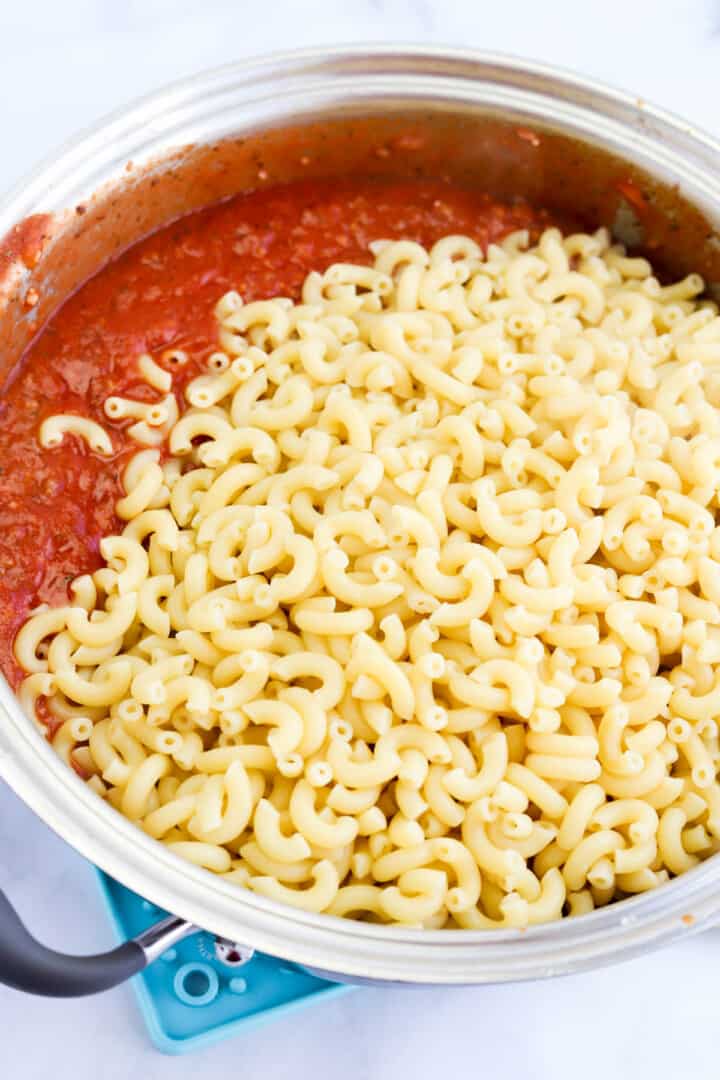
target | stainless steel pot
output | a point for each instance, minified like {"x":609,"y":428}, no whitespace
{"x":512,"y":127}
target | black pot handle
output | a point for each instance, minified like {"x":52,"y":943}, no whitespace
{"x":26,"y":964}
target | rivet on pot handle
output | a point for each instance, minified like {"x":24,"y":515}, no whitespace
{"x":26,"y":964}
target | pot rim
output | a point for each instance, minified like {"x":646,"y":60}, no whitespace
{"x":322,"y":942}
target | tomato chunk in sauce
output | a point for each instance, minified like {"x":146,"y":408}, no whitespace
{"x":56,"y":505}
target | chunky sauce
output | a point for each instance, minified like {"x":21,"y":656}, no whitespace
{"x":55,"y":505}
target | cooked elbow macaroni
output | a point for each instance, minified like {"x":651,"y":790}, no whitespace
{"x":421,"y":620}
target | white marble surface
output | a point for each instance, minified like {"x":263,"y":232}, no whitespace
{"x":64,"y":65}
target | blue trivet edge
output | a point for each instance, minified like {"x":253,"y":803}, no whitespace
{"x":190,"y":999}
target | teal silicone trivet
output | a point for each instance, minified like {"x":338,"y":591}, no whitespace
{"x":190,"y":998}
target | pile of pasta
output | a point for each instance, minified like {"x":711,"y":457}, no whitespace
{"x":418,"y":620}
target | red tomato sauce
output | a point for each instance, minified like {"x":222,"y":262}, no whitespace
{"x":56,"y":505}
